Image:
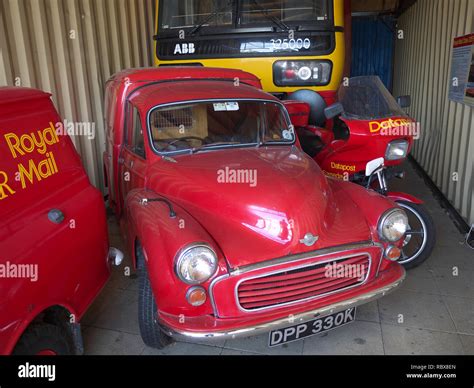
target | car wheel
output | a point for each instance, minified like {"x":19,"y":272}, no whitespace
{"x":150,"y":330}
{"x":420,"y":239}
{"x":45,"y":340}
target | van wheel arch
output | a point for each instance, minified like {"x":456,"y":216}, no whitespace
{"x":53,"y":320}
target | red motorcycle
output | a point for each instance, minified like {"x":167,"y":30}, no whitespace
{"x":363,"y":138}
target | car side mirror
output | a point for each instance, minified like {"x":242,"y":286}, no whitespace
{"x":404,"y":101}
{"x":333,"y":110}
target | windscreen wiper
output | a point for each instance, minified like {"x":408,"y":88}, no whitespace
{"x":206,"y":20}
{"x":273,"y":19}
{"x":220,"y":143}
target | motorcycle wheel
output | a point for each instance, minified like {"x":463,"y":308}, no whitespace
{"x":420,"y":238}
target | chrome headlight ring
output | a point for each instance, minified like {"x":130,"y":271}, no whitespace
{"x":392,"y":225}
{"x":196,"y":263}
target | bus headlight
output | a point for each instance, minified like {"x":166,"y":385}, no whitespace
{"x":301,"y":73}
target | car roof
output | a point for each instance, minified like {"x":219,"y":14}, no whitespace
{"x":14,"y":94}
{"x":169,"y":73}
{"x":188,"y":90}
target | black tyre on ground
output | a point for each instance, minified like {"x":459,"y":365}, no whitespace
{"x":151,"y":333}
{"x":45,"y":339}
{"x":420,"y":238}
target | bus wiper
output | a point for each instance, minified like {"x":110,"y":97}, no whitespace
{"x":200,"y":25}
{"x":206,"y":20}
{"x":273,"y":19}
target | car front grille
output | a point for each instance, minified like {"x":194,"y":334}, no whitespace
{"x":304,"y":283}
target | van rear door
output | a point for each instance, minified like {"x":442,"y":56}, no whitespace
{"x":53,"y":237}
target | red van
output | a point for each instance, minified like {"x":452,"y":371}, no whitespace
{"x":234,"y":230}
{"x":54,"y":251}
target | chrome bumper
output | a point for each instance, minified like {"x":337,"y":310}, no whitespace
{"x":285,"y":322}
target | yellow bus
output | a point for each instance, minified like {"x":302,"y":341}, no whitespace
{"x":289,"y":44}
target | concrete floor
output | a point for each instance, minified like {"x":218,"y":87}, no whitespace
{"x":438,"y":308}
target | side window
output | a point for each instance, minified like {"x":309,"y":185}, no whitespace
{"x":135,"y":140}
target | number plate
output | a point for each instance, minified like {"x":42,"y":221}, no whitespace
{"x":313,"y":327}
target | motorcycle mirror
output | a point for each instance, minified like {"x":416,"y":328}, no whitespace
{"x":333,"y":110}
{"x":373,"y":165}
{"x":404,"y":101}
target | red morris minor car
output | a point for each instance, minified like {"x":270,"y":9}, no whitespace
{"x":233,"y":228}
{"x":54,"y":252}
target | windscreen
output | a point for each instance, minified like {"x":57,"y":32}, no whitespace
{"x":367,"y":98}
{"x":258,"y":12}
{"x":232,"y":13}
{"x":218,"y":123}
{"x":191,"y":13}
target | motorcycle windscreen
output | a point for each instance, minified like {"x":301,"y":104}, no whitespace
{"x":367,"y":98}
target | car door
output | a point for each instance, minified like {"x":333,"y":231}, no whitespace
{"x":132,"y":161}
{"x":133,"y":158}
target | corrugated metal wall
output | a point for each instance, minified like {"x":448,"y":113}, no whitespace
{"x":422,"y":69}
{"x":373,"y":40}
{"x":70,"y":48}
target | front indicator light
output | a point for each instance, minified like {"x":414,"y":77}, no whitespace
{"x":392,"y":253}
{"x":196,"y":296}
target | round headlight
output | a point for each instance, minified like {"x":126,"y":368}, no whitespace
{"x":304,"y":73}
{"x":393,"y":225}
{"x":196,"y":264}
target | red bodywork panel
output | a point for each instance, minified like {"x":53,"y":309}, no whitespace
{"x":397,"y":196}
{"x":365,"y":143}
{"x":246,"y":226}
{"x":366,"y":139}
{"x":298,"y":111}
{"x":69,"y":258}
{"x":119,"y":88}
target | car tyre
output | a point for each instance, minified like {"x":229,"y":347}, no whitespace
{"x":150,"y":330}
{"x":45,"y":339}
{"x":429,"y":228}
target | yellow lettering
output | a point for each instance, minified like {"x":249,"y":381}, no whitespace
{"x":374,"y":126}
{"x":30,"y":174}
{"x":53,"y":133}
{"x":27,"y":143}
{"x":27,"y":139}
{"x":4,"y":186}
{"x":54,"y":166}
{"x":39,"y":143}
{"x":14,"y":148}
{"x":44,"y":169}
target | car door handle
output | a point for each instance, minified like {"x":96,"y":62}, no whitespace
{"x":56,"y":216}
